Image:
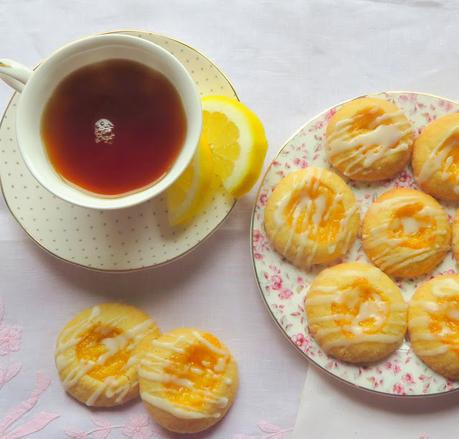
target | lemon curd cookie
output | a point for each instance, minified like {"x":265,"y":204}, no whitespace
{"x":312,"y":217}
{"x":95,"y":353}
{"x":436,"y":158}
{"x":369,"y":139}
{"x":356,"y":312}
{"x":188,"y":379}
{"x":406,"y":233}
{"x":433,"y":323}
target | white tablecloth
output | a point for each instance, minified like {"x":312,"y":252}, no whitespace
{"x":288,"y":61}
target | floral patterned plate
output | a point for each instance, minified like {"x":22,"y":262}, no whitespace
{"x":284,"y":286}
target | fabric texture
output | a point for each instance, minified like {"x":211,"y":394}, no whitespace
{"x":288,"y":61}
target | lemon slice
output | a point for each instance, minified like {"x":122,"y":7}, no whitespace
{"x":237,"y":140}
{"x":186,"y":196}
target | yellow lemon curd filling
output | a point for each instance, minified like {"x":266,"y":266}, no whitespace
{"x":450,"y":166}
{"x":364,"y":120}
{"x":421,"y":236}
{"x":445,"y":322}
{"x":360,"y":293}
{"x":222,"y":136}
{"x":199,"y":365}
{"x":91,"y":347}
{"x":317,"y":218}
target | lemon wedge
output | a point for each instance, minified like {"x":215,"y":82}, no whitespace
{"x":237,"y":141}
{"x":186,"y":196}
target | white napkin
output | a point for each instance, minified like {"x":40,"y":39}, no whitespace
{"x":330,"y":409}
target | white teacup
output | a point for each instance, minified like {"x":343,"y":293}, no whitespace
{"x":37,"y":86}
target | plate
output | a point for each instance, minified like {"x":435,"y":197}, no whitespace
{"x":120,"y":240}
{"x":283,"y":286}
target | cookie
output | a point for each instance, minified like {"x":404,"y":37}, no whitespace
{"x":436,"y":158}
{"x":312,"y":217}
{"x":188,"y":379}
{"x":95,"y":353}
{"x":369,"y":139}
{"x":406,"y":233}
{"x":356,"y":313}
{"x":433,"y":324}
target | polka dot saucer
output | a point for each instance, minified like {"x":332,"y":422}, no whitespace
{"x":120,"y":240}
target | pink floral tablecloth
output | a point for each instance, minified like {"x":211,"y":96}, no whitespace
{"x":288,"y":61}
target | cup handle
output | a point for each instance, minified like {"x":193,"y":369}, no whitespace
{"x":14,"y":74}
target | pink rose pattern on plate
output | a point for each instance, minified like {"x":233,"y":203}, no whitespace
{"x":284,"y":287}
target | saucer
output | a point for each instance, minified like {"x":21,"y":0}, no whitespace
{"x":284,"y":287}
{"x":121,"y":240}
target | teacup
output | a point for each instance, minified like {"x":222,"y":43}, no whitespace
{"x":36,"y":87}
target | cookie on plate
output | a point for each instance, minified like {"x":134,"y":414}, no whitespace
{"x":436,"y":158}
{"x":369,"y":139}
{"x":188,"y":379}
{"x":433,"y":324}
{"x":95,"y":353}
{"x":356,"y":312}
{"x":312,"y":217}
{"x":406,"y":233}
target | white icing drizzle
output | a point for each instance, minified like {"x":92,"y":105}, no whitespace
{"x":119,"y":342}
{"x":429,"y":305}
{"x":209,"y":345}
{"x":358,"y":153}
{"x":132,"y":361}
{"x":152,"y":368}
{"x":309,"y":214}
{"x":96,"y":394}
{"x":110,"y":386}
{"x":221,"y":365}
{"x":170,"y":346}
{"x":370,"y":310}
{"x":392,"y":255}
{"x":410,"y":225}
{"x":446,"y":287}
{"x":440,"y":160}
{"x":165,"y":378}
{"x":66,"y":355}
